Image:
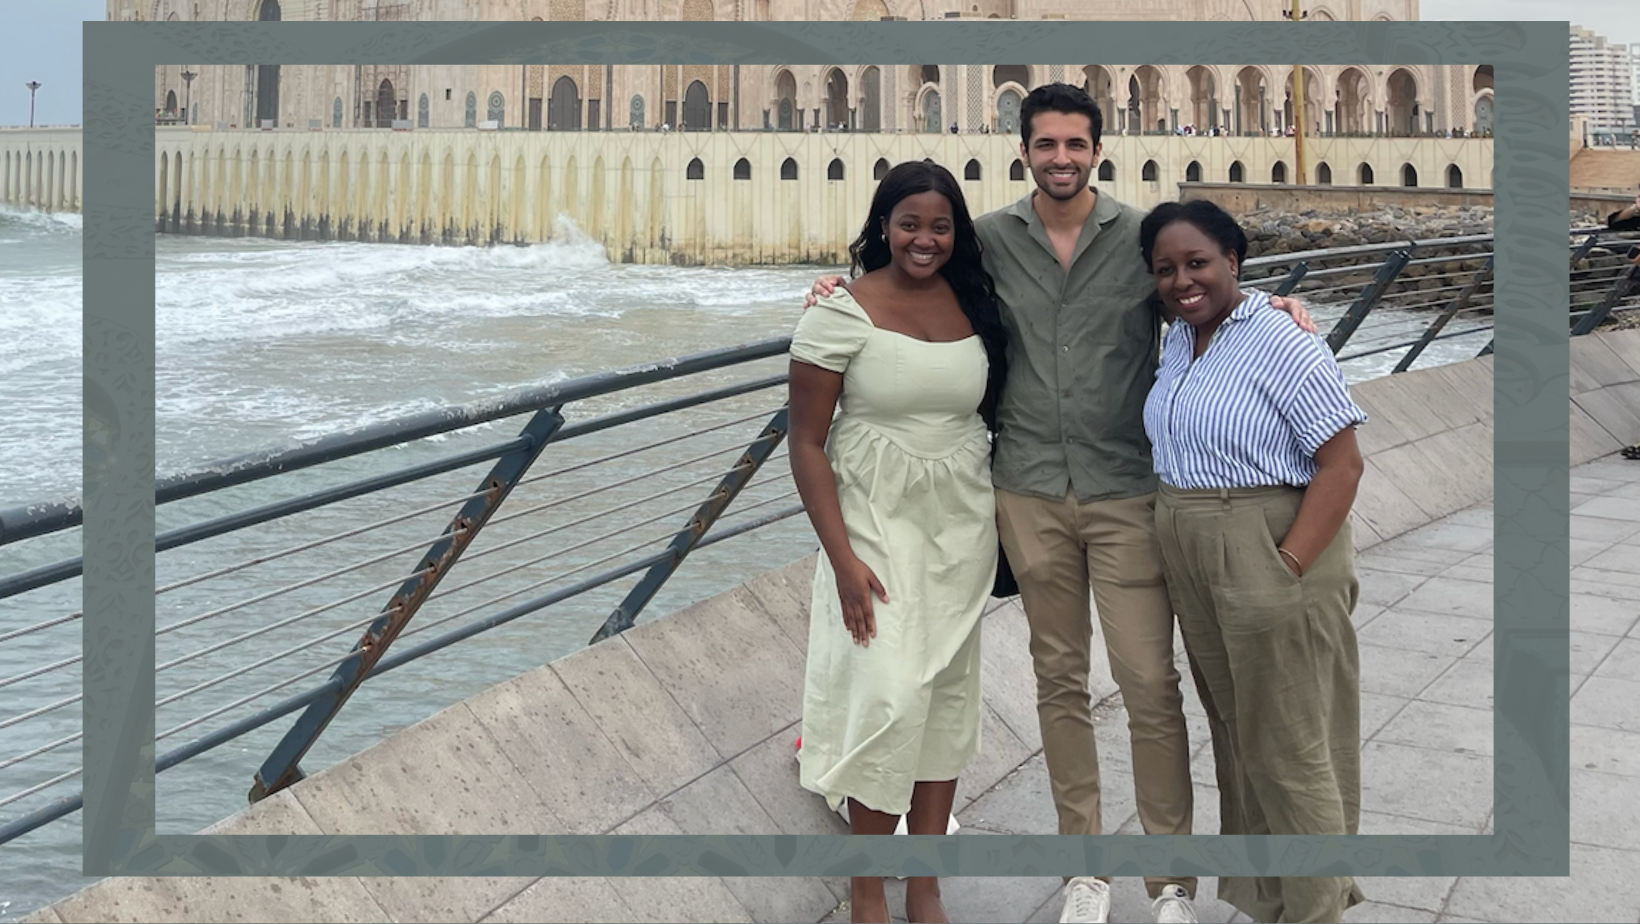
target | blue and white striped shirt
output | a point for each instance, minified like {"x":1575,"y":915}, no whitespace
{"x":1253,"y":409}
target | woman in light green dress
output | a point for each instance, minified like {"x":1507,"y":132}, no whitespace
{"x":898,"y":488}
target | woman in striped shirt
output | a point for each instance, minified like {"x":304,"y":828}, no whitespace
{"x":1253,"y":434}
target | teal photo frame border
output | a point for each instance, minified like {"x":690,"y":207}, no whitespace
{"x":1531,"y":586}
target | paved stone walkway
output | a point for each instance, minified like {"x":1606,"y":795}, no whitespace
{"x":1425,"y":629}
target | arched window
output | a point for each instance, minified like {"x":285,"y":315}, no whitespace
{"x":1107,"y":171}
{"x":1193,"y":172}
{"x":1148,"y":171}
{"x":1016,"y":171}
{"x":1323,"y":174}
{"x":971,"y":171}
{"x":834,"y":170}
{"x":1409,"y":176}
{"x":788,"y":169}
{"x":743,"y":169}
{"x":880,"y":170}
{"x":1454,"y":176}
{"x":471,"y":118}
{"x":695,"y":171}
{"x":1365,"y":173}
{"x":1278,"y":173}
{"x":1235,"y":172}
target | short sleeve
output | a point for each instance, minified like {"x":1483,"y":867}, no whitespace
{"x":1321,"y":406}
{"x":830,"y":333}
{"x":1627,"y":224}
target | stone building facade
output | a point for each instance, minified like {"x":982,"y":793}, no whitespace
{"x":905,"y":98}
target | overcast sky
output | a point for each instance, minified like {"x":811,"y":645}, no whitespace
{"x":45,"y":43}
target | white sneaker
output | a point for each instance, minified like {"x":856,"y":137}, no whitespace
{"x":1173,"y":906}
{"x":1087,"y":901}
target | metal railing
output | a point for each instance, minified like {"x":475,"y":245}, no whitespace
{"x":1605,"y":271}
{"x":274,"y":558}
{"x":585,"y":497}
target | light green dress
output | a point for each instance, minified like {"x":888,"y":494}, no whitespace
{"x":911,"y":457}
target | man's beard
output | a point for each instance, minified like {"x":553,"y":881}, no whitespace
{"x":1074,"y":190}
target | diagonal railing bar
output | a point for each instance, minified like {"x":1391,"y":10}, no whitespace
{"x":1584,"y":248}
{"x":1434,"y":328}
{"x":625,"y":615}
{"x":283,"y":766}
{"x":1292,"y":279}
{"x":1626,"y":283}
{"x":1346,"y":326}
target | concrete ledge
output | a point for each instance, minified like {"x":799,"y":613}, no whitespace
{"x":1605,"y":392}
{"x":1427,"y":445}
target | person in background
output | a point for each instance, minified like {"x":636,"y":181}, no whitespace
{"x":1626,"y":218}
{"x":1253,"y":432}
{"x":898,"y":488}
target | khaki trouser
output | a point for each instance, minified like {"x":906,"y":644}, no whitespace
{"x":1058,"y":549}
{"x":1275,"y":661}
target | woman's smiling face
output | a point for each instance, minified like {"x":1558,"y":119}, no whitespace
{"x":1195,"y":276}
{"x":921,"y":232}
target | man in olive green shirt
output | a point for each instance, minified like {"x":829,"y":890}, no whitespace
{"x":1075,"y":484}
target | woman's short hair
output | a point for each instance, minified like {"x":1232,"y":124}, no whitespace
{"x":1208,"y":218}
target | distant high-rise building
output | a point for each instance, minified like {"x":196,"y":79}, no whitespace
{"x":1634,"y":54}
{"x":1603,"y":79}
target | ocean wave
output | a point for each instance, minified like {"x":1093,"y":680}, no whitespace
{"x":36,"y":220}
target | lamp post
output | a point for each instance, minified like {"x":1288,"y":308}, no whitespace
{"x":1297,"y":15}
{"x":32,"y":85}
{"x":188,"y":96}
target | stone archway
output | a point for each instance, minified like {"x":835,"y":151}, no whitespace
{"x":1251,"y":93}
{"x":1480,"y":83}
{"x":837,"y":99}
{"x":1097,"y":83}
{"x":1008,"y":103}
{"x":1350,"y":101}
{"x":786,"y":115}
{"x":1011,"y":73}
{"x":1146,"y":100}
{"x":932,"y":117}
{"x":1313,"y":116}
{"x":1204,"y":102}
{"x":1401,"y":102}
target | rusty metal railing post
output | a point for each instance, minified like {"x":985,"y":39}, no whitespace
{"x":1294,"y":276}
{"x":1628,"y":282}
{"x":1391,"y":268}
{"x":1458,"y":304}
{"x":625,"y":615}
{"x":1584,"y":248}
{"x":283,"y":765}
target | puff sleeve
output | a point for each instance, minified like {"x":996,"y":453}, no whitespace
{"x":830,"y":333}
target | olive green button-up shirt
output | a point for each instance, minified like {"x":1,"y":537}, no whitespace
{"x":1082,"y":355}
